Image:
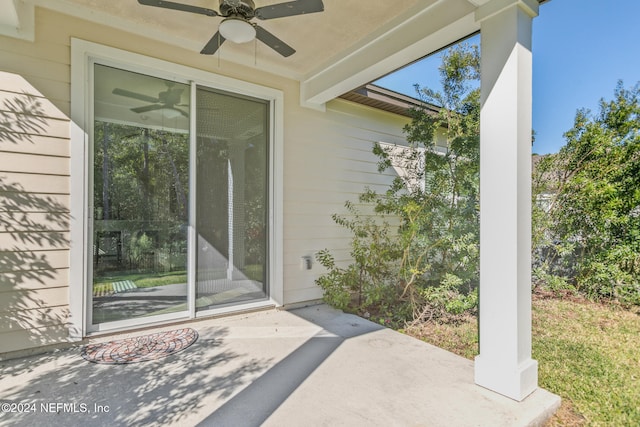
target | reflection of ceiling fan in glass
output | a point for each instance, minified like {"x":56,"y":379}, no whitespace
{"x":237,"y":26}
{"x":167,"y":100}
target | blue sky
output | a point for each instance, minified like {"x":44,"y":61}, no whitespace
{"x":581,"y":49}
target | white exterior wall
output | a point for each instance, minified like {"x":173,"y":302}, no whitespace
{"x":327,"y":160}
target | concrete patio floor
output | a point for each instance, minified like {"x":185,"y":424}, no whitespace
{"x":313,"y":366}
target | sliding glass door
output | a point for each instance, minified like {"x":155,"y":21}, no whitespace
{"x":156,"y":175}
{"x":231,"y":199}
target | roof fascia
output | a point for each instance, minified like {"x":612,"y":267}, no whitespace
{"x":388,"y":100}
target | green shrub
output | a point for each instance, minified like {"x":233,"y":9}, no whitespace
{"x":586,"y":216}
{"x":430,"y":262}
{"x":370,"y":279}
{"x":448,"y":300}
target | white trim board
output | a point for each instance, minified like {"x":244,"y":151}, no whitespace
{"x":83,"y":55}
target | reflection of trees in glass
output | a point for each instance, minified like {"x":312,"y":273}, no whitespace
{"x":140,"y":194}
{"x":255,"y":203}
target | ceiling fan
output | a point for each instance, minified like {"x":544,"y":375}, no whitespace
{"x":169,"y":100}
{"x":237,"y":26}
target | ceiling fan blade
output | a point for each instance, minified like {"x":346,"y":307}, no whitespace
{"x":179,"y":6}
{"x":213,"y":45}
{"x":135,"y":95}
{"x":291,"y":8}
{"x":147,"y":108}
{"x":273,"y":42}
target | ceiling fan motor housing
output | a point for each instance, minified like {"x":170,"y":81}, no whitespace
{"x":243,"y":8}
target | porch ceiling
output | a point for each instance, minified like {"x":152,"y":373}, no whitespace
{"x":349,"y":44}
{"x":316,"y":37}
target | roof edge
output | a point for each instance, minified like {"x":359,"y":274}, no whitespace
{"x":387,"y":100}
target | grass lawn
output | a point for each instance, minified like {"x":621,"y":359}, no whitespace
{"x":588,"y":353}
{"x":102,"y":285}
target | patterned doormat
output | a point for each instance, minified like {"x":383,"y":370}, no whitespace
{"x":140,"y":349}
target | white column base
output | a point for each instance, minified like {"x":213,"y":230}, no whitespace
{"x":516,"y":383}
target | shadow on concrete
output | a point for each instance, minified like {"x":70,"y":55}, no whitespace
{"x":162,"y":392}
{"x":262,"y":397}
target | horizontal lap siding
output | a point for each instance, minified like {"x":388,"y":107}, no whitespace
{"x":328,"y":160}
{"x":44,"y":145}
{"x":28,"y":337}
{"x":34,"y":189}
{"x":40,"y":276}
{"x":29,"y":242}
{"x":38,"y":183}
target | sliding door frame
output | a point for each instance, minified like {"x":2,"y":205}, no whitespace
{"x":84,"y":55}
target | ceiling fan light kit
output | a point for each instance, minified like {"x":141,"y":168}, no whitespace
{"x":237,"y":26}
{"x":237,"y":30}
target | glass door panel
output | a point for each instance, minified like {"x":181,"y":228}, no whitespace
{"x":141,"y":151}
{"x":231,"y":199}
{"x":140,"y":195}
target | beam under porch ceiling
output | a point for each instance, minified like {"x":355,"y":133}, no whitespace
{"x":426,"y":28}
{"x":17,"y":19}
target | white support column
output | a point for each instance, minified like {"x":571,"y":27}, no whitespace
{"x":505,"y":364}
